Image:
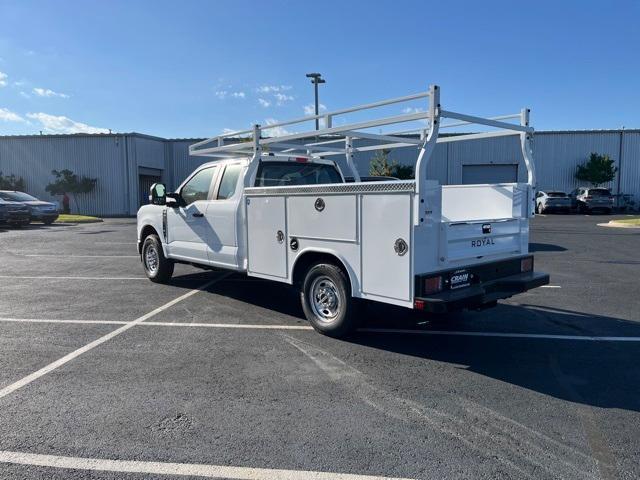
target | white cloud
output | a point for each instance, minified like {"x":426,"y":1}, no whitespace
{"x":282,"y":98}
{"x":45,"y":92}
{"x":62,"y":124}
{"x":276,"y":131}
{"x":273,"y":88}
{"x":221,"y":94}
{"x":25,"y":95}
{"x":264,"y":103}
{"x":3,"y":79}
{"x":238,"y":95}
{"x":311,"y":109}
{"x":9,"y":116}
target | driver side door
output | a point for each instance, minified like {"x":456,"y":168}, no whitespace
{"x":187,"y":228}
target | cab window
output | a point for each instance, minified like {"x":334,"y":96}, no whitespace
{"x":198,"y":187}
{"x":229,"y":181}
{"x":282,"y":174}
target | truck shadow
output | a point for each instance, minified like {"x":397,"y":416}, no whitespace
{"x":601,"y":374}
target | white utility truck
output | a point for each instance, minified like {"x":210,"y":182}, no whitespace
{"x":278,"y":208}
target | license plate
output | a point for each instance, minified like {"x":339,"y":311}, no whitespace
{"x":459,"y":279}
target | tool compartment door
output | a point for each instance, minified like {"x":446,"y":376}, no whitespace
{"x":386,"y":224}
{"x":266,"y":246}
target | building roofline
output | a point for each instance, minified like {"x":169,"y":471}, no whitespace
{"x":162,"y":139}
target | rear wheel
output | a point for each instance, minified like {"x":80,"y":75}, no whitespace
{"x":327,"y":302}
{"x":158,"y":268}
{"x":48,"y":221}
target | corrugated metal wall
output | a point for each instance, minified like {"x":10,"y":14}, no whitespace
{"x":116,"y":159}
{"x":101,"y":157}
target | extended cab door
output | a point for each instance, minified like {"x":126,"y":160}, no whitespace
{"x":187,"y":228}
{"x":223,"y":217}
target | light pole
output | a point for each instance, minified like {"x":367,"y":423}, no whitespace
{"x":316,"y":78}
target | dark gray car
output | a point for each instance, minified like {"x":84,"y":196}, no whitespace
{"x":39,"y":211}
{"x":14,"y":213}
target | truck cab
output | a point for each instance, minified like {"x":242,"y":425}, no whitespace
{"x":202,"y":221}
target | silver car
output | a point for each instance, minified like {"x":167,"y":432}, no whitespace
{"x":587,"y":199}
{"x":40,"y":211}
{"x":552,"y":201}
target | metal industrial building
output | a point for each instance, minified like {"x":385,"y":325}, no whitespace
{"x":126,"y":164}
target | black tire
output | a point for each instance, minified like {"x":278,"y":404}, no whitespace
{"x":333,"y":312}
{"x":162,"y":270}
{"x":538,"y":208}
{"x":48,"y":221}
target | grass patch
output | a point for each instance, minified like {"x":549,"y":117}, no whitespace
{"x":629,"y":222}
{"x":66,"y":218}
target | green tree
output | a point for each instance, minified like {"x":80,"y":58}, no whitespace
{"x":597,"y":170}
{"x":381,"y":166}
{"x":11,"y":182}
{"x":68,"y":182}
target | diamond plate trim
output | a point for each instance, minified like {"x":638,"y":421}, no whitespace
{"x":364,"y":187}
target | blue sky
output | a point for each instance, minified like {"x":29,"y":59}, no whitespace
{"x":192,"y":69}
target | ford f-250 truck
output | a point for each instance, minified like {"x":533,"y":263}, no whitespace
{"x":278,"y":208}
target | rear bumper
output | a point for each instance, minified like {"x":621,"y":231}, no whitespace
{"x":492,"y":282}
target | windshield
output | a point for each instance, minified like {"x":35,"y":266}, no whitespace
{"x":557,"y":194}
{"x":599,"y":192}
{"x":283,"y":174}
{"x":17,"y":197}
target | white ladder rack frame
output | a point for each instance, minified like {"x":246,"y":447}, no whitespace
{"x":252,"y":144}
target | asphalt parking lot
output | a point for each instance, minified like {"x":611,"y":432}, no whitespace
{"x":106,"y":375}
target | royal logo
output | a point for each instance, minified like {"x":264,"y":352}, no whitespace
{"x":481,"y":242}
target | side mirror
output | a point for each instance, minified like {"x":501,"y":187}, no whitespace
{"x":158,"y":194}
{"x":174,"y":200}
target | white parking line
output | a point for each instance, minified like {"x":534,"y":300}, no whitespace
{"x":67,"y":358}
{"x":586,"y":338}
{"x":550,"y":286}
{"x":62,"y":277}
{"x":160,"y":324}
{"x":456,"y":333}
{"x":74,"y":256}
{"x":192,"y":469}
{"x":53,"y":320}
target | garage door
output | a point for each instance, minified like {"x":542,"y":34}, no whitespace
{"x":477,"y":174}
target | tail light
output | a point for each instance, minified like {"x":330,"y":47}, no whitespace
{"x":302,"y":160}
{"x":432,"y":285}
{"x":526,"y":264}
{"x":418,"y":304}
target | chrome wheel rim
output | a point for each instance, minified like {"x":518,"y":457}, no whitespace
{"x":325,"y":299}
{"x":151,"y":259}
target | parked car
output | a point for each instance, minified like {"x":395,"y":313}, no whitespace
{"x":587,"y":199}
{"x":552,"y":201}
{"x":624,"y":202}
{"x":40,"y":211}
{"x":14,"y":213}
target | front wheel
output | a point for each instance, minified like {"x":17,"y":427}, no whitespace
{"x":158,"y":268}
{"x":327,"y":302}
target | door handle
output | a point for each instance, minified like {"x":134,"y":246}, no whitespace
{"x":198,"y":215}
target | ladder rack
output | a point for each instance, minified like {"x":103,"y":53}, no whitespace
{"x":339,"y":140}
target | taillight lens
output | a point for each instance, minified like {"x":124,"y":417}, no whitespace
{"x":526,"y":264}
{"x":432,"y":285}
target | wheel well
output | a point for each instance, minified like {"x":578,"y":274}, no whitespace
{"x":146,"y":231}
{"x":304,"y":261}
